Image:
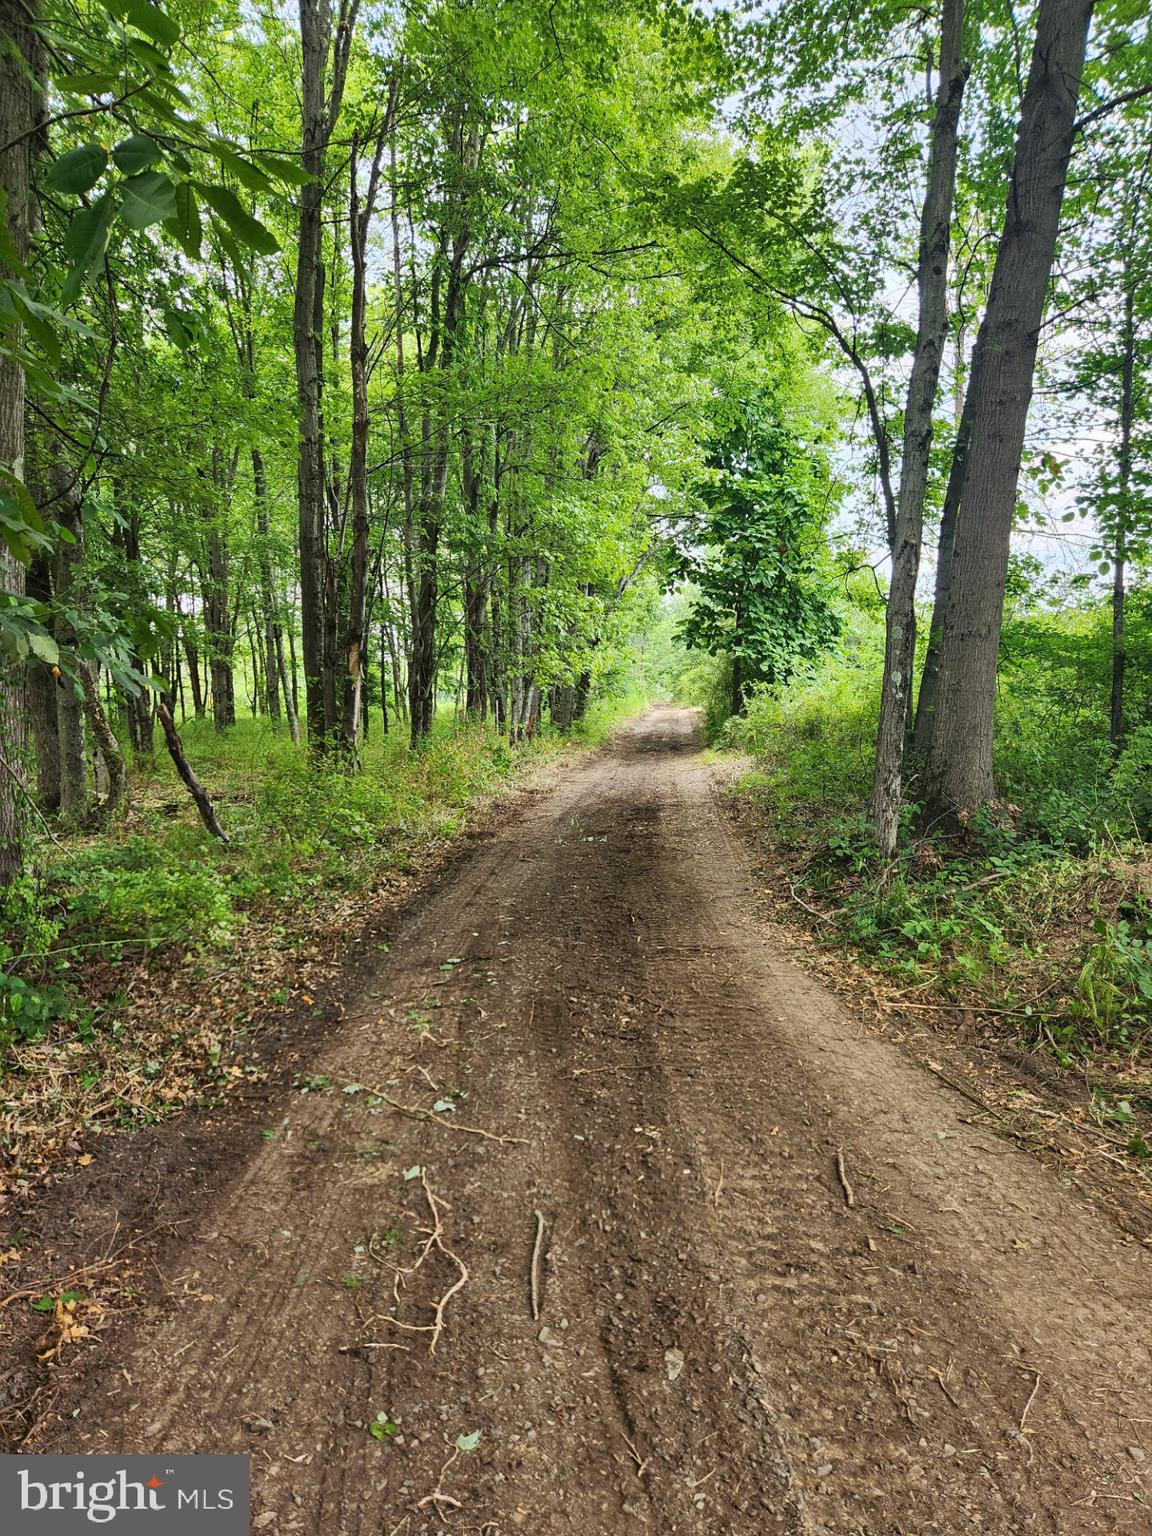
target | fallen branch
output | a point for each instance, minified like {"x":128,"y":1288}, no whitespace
{"x":849,"y":1197}
{"x":1032,"y":1398}
{"x":445,"y":1121}
{"x":184,"y":769}
{"x":534,"y":1275}
{"x":433,"y":1238}
{"x":825,"y":917}
{"x":973,"y":1098}
{"x":66,"y":1282}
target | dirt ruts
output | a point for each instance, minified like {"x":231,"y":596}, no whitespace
{"x":784,"y":1283}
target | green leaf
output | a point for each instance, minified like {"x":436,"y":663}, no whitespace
{"x":86,"y":240}
{"x":185,"y":329}
{"x":48,"y":1303}
{"x":249,"y":231}
{"x":289,"y":171}
{"x":150,"y":19}
{"x":138,"y":153}
{"x":148,"y":199}
{"x":247,"y":174}
{"x":44,"y":647}
{"x":87,"y":84}
{"x":21,"y":526}
{"x":152,"y":59}
{"x":185,"y":223}
{"x":381,"y":1427}
{"x":468,"y":1442}
{"x":78,"y":171}
{"x":414,"y":1172}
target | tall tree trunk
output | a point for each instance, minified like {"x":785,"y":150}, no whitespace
{"x":360,"y":211}
{"x":74,"y":798}
{"x":291,"y":684}
{"x":43,"y":686}
{"x":1116,"y":724}
{"x":218,"y":628}
{"x":384,"y":676}
{"x":945,"y":551}
{"x":287,"y":684}
{"x":324,"y":65}
{"x":20,"y":113}
{"x":138,"y":705}
{"x":269,"y":607}
{"x":446,"y":324}
{"x":193,"y":657}
{"x":959,"y":773}
{"x":477,"y":579}
{"x":932,"y":279}
{"x":315,"y":31}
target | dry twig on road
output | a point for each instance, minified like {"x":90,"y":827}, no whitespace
{"x":534,"y":1277}
{"x":849,"y":1197}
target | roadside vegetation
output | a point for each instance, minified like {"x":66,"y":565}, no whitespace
{"x":1034,"y":925}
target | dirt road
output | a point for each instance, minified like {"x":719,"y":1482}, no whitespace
{"x":726,"y":1342}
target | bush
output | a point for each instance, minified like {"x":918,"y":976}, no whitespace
{"x":148,"y":892}
{"x":1132,"y":781}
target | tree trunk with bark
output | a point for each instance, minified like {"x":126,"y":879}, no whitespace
{"x":184,"y":769}
{"x":269,"y":607}
{"x":959,"y":773}
{"x":932,"y":331}
{"x":20,"y":113}
{"x":219,"y":624}
{"x":315,"y":26}
{"x":43,"y":684}
{"x":360,"y":211}
{"x":74,"y":797}
{"x":945,"y":550}
{"x":1117,"y":730}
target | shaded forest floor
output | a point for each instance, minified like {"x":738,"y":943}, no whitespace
{"x":582,"y":1208}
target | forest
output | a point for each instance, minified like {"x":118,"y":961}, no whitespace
{"x":388,"y":394}
{"x":578,"y":574}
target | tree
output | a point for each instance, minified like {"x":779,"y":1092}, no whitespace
{"x":326,"y":45}
{"x":932,"y":283}
{"x":20,"y":116}
{"x":760,"y":599}
{"x":959,"y":770}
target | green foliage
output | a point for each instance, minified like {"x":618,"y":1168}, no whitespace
{"x":1038,"y":913}
{"x":760,"y":592}
{"x":27,"y":1011}
{"x":1132,"y":779}
{"x":813,"y":743}
{"x":148,"y":892}
{"x":1114,"y":986}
